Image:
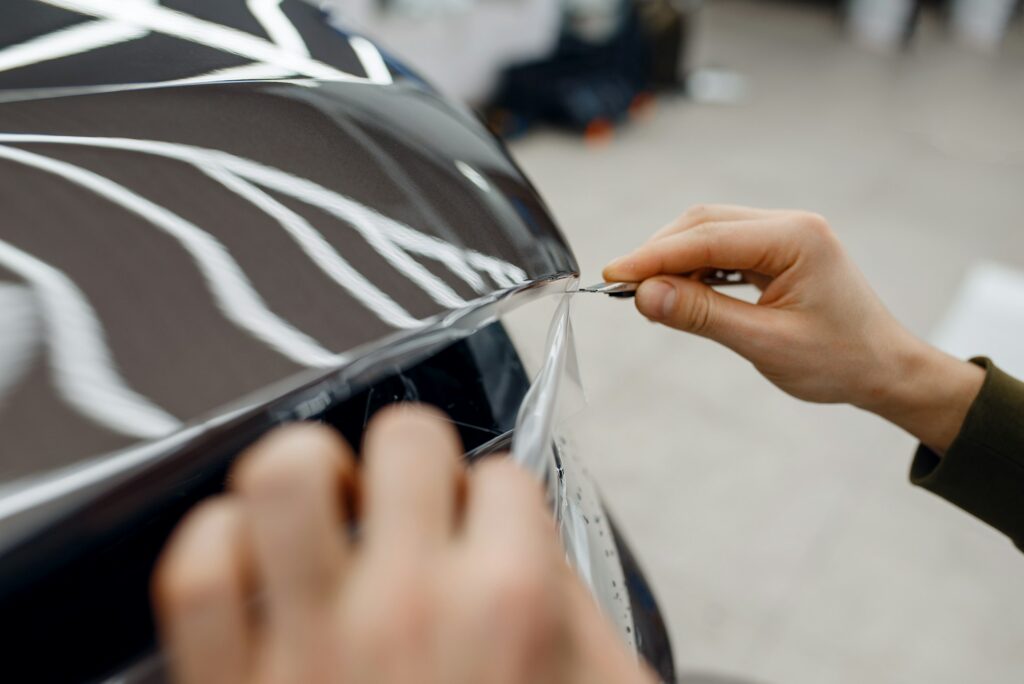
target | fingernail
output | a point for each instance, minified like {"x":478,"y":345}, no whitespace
{"x":656,"y":299}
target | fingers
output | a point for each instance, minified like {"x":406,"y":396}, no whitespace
{"x":766,"y":246}
{"x":506,"y":507}
{"x":291,"y":486}
{"x":412,"y":471}
{"x":712,"y":213}
{"x":691,"y":306}
{"x":517,"y":592}
{"x":199,"y":592}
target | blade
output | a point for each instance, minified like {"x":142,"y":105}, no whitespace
{"x":622,"y":290}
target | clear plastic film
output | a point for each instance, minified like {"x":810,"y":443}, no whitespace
{"x":535,"y":424}
{"x":544,"y":450}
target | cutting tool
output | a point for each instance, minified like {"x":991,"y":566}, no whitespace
{"x":628,"y":290}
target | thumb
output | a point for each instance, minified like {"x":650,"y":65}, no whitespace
{"x":694,"y":307}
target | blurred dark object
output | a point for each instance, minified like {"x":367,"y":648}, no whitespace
{"x":599,"y":74}
{"x":667,"y":29}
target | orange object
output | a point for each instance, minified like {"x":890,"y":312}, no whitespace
{"x":642,"y":105}
{"x":599,"y":131}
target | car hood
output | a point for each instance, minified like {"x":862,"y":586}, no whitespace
{"x":170,"y":248}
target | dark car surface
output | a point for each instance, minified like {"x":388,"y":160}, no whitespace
{"x":218,"y":217}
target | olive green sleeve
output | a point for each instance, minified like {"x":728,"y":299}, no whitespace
{"x":983,"y":471}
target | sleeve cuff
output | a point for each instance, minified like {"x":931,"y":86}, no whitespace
{"x":983,"y":471}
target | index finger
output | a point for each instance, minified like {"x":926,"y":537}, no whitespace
{"x":762,"y":246}
{"x":711,"y":213}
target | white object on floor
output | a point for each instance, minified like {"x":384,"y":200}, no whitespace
{"x":879,"y":24}
{"x":717,"y":86}
{"x":987,"y":317}
{"x":982,"y":23}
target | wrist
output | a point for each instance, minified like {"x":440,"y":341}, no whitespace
{"x":926,"y":392}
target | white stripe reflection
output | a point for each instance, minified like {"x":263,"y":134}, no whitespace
{"x":82,"y":367}
{"x":281,"y":31}
{"x":70,"y":41}
{"x":379,"y":231}
{"x":319,"y":250}
{"x":19,"y":332}
{"x":187,"y":27}
{"x":371,"y":59}
{"x":375,"y":228}
{"x":66,"y":42}
{"x":235,"y":295}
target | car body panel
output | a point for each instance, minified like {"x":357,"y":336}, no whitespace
{"x":227,"y":216}
{"x":196,"y":276}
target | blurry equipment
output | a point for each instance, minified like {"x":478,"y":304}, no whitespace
{"x":982,"y":23}
{"x":888,"y":24}
{"x":611,"y":56}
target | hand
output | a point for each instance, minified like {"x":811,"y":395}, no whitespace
{"x":457,"y":576}
{"x":818,"y":331}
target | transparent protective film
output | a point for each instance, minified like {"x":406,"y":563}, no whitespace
{"x":539,"y":446}
{"x":535,"y":424}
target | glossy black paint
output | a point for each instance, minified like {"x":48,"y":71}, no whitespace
{"x":391,"y":149}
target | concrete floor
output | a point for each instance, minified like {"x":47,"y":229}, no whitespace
{"x":783,"y":538}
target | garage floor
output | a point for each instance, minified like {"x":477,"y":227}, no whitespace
{"x":783,"y":538}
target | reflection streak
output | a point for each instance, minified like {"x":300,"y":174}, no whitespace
{"x":380,"y":231}
{"x":280,"y":30}
{"x":81,"y":363}
{"x":66,"y":42}
{"x":371,"y":60}
{"x":318,"y":250}
{"x":19,"y":330}
{"x":187,"y":27}
{"x":235,"y":295}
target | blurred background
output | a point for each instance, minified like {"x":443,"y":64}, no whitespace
{"x":784,"y":540}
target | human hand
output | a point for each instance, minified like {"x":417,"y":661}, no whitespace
{"x":457,"y":576}
{"x":818,"y":331}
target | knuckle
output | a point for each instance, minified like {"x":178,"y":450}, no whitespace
{"x":816,"y":224}
{"x":706,"y":239}
{"x":698,"y":313}
{"x":704,"y":230}
{"x":698,"y":212}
